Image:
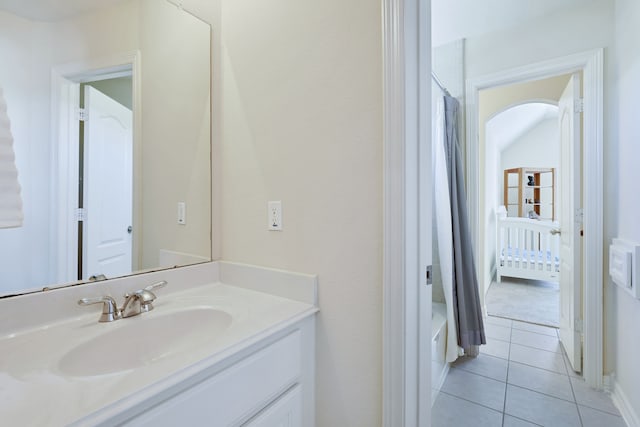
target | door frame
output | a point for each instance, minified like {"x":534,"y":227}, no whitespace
{"x":65,"y":92}
{"x":406,"y":328}
{"x":591,"y":63}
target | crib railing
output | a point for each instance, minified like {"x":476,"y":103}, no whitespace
{"x":527,"y":248}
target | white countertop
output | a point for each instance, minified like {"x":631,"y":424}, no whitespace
{"x":35,"y":391}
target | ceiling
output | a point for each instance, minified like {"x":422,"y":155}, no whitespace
{"x":451,"y":19}
{"x":456,"y":19}
{"x":509,"y":125}
{"x":53,"y":10}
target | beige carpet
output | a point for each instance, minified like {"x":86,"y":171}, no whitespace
{"x":530,"y":301}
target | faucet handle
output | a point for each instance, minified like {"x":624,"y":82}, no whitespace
{"x":140,"y":301}
{"x":110,"y":310}
{"x":157,"y":285}
{"x":146,"y":297}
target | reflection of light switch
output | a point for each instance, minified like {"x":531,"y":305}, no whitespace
{"x":182,"y":213}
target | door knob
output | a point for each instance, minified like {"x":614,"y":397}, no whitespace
{"x":129,"y":229}
{"x":555,"y":231}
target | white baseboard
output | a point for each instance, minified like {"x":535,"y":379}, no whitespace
{"x":622,"y":403}
{"x":443,"y":376}
{"x":494,"y":271}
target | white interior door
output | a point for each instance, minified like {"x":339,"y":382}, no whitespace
{"x":570,"y":223}
{"x":108,"y":186}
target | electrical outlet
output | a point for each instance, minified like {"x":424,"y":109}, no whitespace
{"x":274,"y":209}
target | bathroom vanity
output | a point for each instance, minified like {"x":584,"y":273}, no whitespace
{"x":225,"y":345}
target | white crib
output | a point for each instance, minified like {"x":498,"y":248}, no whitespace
{"x":527,"y":249}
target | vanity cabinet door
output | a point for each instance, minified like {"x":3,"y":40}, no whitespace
{"x":284,"y":412}
{"x":234,"y":395}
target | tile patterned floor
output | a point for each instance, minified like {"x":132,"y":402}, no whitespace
{"x":521,"y":378}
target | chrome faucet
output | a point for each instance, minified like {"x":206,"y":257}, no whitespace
{"x":140,"y":301}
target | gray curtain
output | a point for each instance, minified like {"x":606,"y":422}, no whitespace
{"x":466,"y":301}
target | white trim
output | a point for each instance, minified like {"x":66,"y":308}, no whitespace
{"x":64,"y":136}
{"x":137,"y":107}
{"x":65,"y":81}
{"x":591,"y":64}
{"x":423,"y":211}
{"x":435,"y":391}
{"x":393,"y":335}
{"x":593,"y":179}
{"x":406,"y":68}
{"x":620,"y":399}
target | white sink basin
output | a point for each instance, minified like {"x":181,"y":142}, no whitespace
{"x":141,"y":340}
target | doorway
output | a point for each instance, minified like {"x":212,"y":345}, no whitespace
{"x":520,"y":358}
{"x":521,"y":188}
{"x":529,"y":236}
{"x":95,"y":126}
{"x":522,"y":163}
{"x":584,"y":323}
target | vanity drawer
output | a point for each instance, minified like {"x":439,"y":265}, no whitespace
{"x":284,"y":412}
{"x":235,"y":394}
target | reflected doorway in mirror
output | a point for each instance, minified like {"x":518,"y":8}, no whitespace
{"x":95,"y":169}
{"x":171,"y":132}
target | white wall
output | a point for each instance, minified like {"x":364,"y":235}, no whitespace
{"x":567,"y":31}
{"x":537,"y":148}
{"x":176,"y":153}
{"x":622,"y":203}
{"x":301,"y":95}
{"x":473,"y":18}
{"x":20,"y":261}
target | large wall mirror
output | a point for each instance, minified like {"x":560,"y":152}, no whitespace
{"x":110,"y":110}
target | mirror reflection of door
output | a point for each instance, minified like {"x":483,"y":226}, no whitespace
{"x":106,"y":180}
